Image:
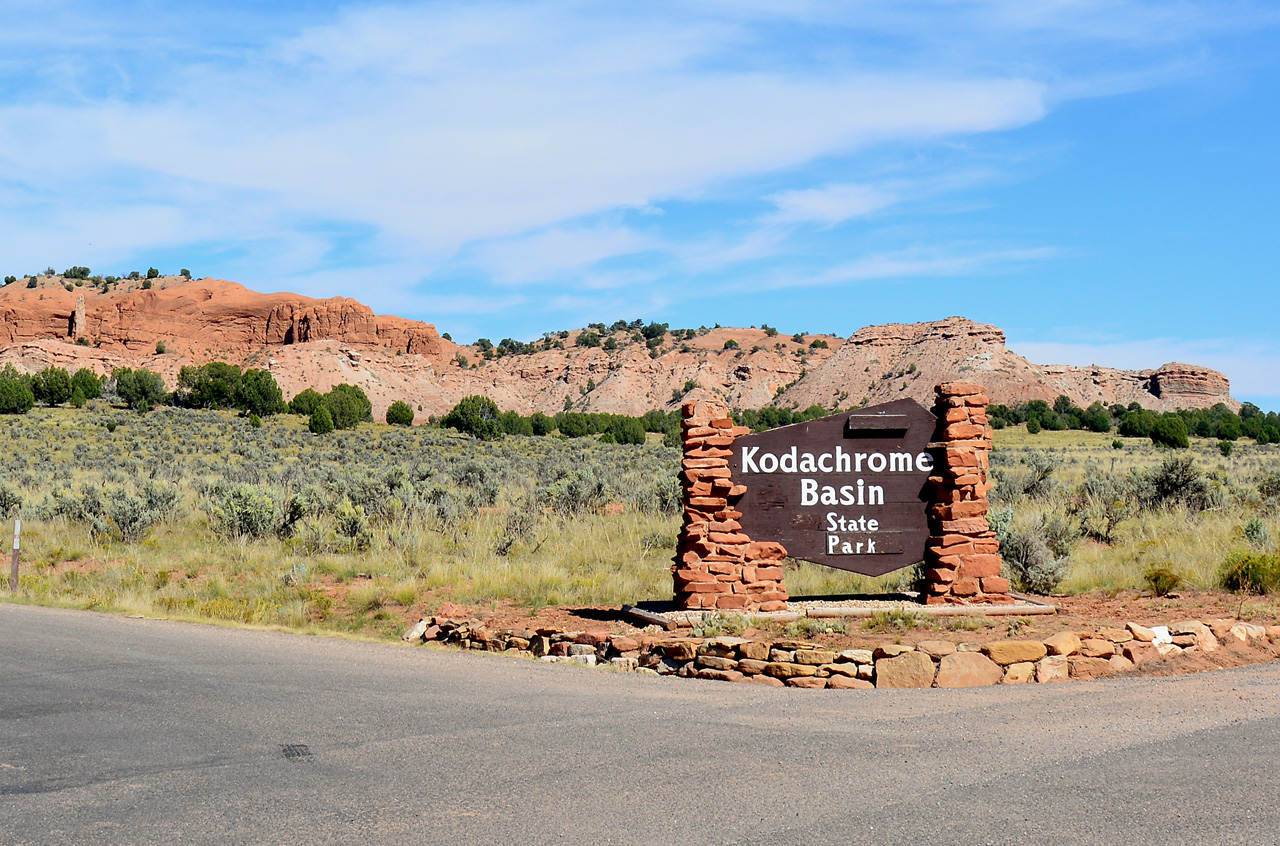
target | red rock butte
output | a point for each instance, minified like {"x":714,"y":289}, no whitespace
{"x":317,"y":343}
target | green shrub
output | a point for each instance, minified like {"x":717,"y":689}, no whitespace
{"x":731,"y":344}
{"x":627,"y":430}
{"x":1033,"y":426}
{"x":348,"y":405}
{"x":1255,"y":531}
{"x":211,"y":385}
{"x":1161,"y":579}
{"x":161,"y":349}
{"x":1251,"y":572}
{"x":1176,"y":480}
{"x":321,"y":422}
{"x":247,"y":511}
{"x":476,"y":416}
{"x":257,"y":393}
{"x":152,"y":273}
{"x":1225,"y":448}
{"x":15,"y":392}
{"x":140,"y":389}
{"x":400,"y":414}
{"x":588,"y":339}
{"x":541,"y":424}
{"x":10,"y":501}
{"x":87,"y":382}
{"x":77,"y":398}
{"x":1170,"y":431}
{"x":513,"y":424}
{"x":306,"y":402}
{"x":51,"y":386}
{"x":1035,"y":559}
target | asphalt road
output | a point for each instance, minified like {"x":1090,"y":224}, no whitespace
{"x":115,"y":730}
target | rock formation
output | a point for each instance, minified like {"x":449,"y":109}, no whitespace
{"x":317,"y":343}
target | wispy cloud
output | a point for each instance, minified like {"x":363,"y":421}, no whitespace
{"x":931,"y":263}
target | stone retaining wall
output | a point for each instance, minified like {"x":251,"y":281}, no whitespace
{"x":795,"y":663}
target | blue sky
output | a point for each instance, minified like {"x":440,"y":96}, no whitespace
{"x":1098,"y":179}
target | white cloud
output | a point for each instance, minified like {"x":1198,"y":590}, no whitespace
{"x":550,"y":253}
{"x":830,"y":204}
{"x":912,"y":263}
{"x":447,"y":125}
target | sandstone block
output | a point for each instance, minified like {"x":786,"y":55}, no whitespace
{"x":751,"y":666}
{"x":1139,"y":653}
{"x":622,"y":643}
{"x":753,"y":650}
{"x":1007,"y":652}
{"x":846,"y":683}
{"x":809,"y":682}
{"x":970,"y":525}
{"x":1063,"y":643}
{"x":959,"y":389}
{"x":995,"y":584}
{"x":788,"y":670}
{"x":908,"y":670}
{"x":416,"y":633}
{"x":979,"y":566}
{"x":936,"y":649}
{"x":847,"y":668}
{"x":769,"y":681}
{"x":964,"y":587}
{"x":1083,"y":667}
{"x":891,"y":650}
{"x":1094,"y":647}
{"x":680,"y":650}
{"x":719,"y":675}
{"x":859,"y":656}
{"x":1019,"y":673}
{"x":767,"y":551}
{"x":968,"y":669}
{"x":815,"y":657}
{"x":1120,"y":664}
{"x":714,"y":663}
{"x":731,"y":602}
{"x":1052,"y":668}
{"x":1186,"y":627}
{"x":940,"y":575}
{"x":1115,"y":635}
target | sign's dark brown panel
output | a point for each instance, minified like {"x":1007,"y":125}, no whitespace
{"x":846,"y":491}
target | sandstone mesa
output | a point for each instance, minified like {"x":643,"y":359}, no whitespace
{"x":318,"y":343}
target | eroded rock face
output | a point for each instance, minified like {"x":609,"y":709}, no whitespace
{"x":213,"y":316}
{"x":1188,"y":384}
{"x":318,"y":343}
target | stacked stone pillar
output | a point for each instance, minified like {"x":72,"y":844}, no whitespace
{"x":962,"y":558}
{"x":717,"y":566}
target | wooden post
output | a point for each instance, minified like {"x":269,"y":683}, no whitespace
{"x":13,"y":568}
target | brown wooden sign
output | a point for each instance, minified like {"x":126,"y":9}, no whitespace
{"x":846,"y":491}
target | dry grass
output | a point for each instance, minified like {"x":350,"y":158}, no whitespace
{"x":413,"y":554}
